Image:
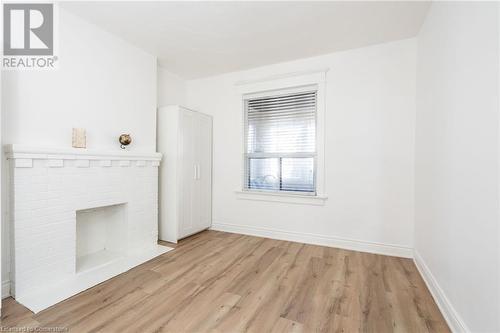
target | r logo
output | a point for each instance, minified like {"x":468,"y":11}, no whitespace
{"x":28,"y":29}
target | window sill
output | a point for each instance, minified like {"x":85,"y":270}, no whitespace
{"x":316,"y":200}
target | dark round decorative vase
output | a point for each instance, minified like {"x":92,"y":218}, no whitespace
{"x":125,"y":140}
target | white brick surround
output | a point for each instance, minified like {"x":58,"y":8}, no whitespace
{"x":47,"y":187}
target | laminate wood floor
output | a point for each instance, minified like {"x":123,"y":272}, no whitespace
{"x":222,"y":282}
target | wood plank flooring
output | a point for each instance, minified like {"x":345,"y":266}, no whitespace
{"x":222,"y":282}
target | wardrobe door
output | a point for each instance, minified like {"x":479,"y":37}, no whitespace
{"x":205,"y":171}
{"x":188,"y":172}
{"x":196,"y":195}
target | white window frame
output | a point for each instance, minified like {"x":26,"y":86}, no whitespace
{"x":277,"y":85}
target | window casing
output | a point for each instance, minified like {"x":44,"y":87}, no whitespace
{"x":280,"y":142}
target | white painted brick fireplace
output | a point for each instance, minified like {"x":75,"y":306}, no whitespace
{"x":115,"y":196}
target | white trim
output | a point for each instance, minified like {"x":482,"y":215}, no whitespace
{"x":55,"y":163}
{"x":80,"y":163}
{"x":105,"y":163}
{"x":282,"y":76}
{"x":282,"y":197}
{"x":307,"y":88}
{"x":343,"y":243}
{"x":281,"y":82}
{"x":455,"y":322}
{"x":5,"y":289}
{"x":23,"y":163}
{"x":19,"y":152}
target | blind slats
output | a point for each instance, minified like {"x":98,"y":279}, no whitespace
{"x":282,"y":97}
{"x":281,"y":142}
{"x":290,"y":103}
{"x":304,"y":111}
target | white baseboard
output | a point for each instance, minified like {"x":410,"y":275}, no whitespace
{"x":451,"y":316}
{"x":5,"y":289}
{"x":343,"y":243}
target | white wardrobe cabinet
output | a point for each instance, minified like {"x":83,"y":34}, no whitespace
{"x":185,"y":140}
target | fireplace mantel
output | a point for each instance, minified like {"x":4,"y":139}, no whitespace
{"x":47,"y":187}
{"x":17,"y":151}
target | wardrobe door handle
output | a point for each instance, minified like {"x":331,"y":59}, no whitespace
{"x":195,"y":171}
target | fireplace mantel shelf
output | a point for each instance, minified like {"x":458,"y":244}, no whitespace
{"x":17,"y":151}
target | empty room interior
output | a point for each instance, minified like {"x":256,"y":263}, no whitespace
{"x":250,"y":166}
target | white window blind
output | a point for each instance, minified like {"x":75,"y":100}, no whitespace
{"x":280,"y":152}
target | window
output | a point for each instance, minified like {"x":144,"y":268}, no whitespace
{"x":280,"y":142}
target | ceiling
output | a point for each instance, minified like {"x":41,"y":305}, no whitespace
{"x":197,"y":39}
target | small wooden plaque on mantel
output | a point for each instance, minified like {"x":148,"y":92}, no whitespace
{"x":79,"y":138}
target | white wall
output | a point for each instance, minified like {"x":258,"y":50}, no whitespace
{"x":2,"y":220}
{"x":456,"y":225}
{"x":369,"y":149}
{"x":171,"y":88}
{"x":103,"y":84}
